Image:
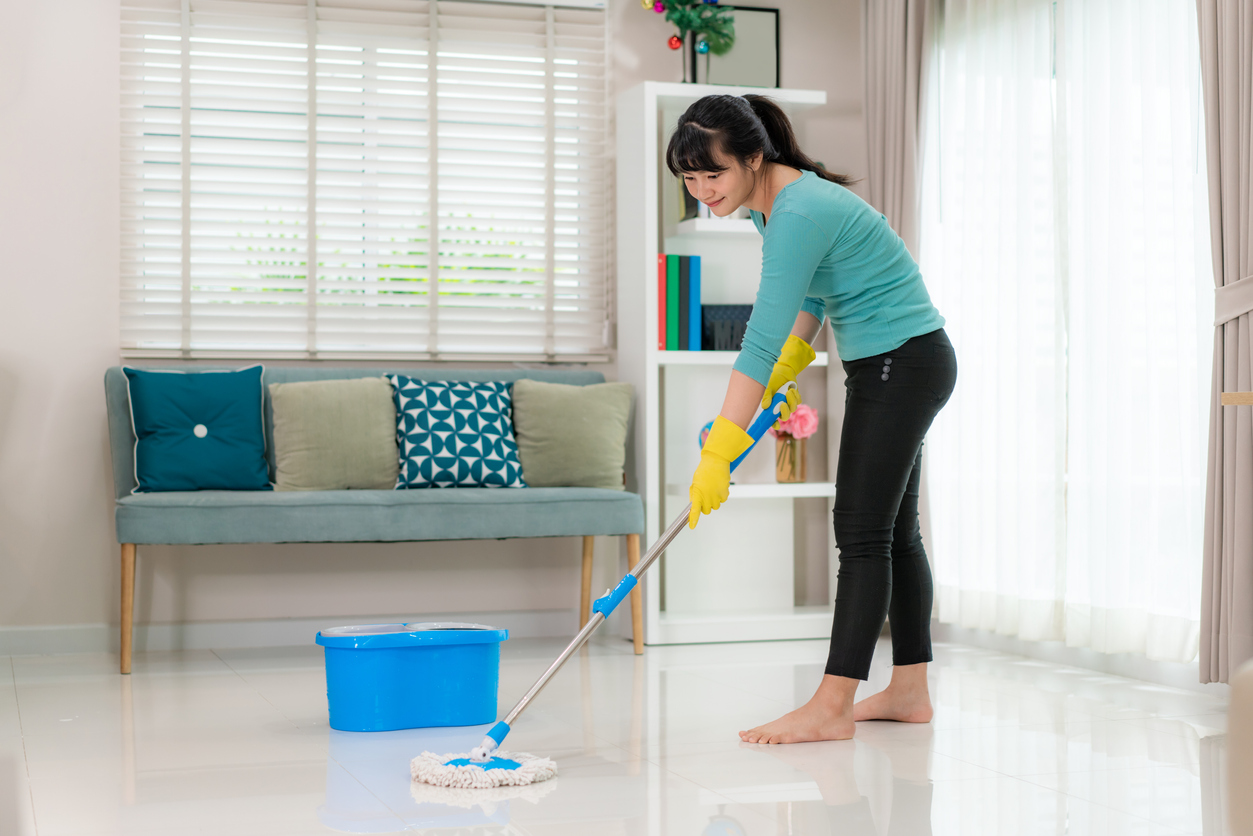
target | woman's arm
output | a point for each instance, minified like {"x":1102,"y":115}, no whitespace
{"x":807,"y":327}
{"x":743,"y":397}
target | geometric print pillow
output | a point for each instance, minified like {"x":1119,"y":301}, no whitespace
{"x":455,"y":434}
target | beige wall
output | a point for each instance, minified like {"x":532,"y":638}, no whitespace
{"x":59,"y":213}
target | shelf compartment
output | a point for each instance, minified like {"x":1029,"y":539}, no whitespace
{"x":714,"y":358}
{"x":715,"y":227}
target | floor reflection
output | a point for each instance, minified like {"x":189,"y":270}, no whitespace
{"x":237,"y":742}
{"x":893,"y":796}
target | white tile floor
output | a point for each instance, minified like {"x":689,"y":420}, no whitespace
{"x":237,"y":742}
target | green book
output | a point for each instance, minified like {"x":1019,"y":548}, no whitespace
{"x":672,"y":303}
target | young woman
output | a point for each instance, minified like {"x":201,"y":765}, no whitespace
{"x":828,"y":254}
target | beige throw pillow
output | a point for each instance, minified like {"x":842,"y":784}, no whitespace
{"x":571,"y":436}
{"x":334,"y":435}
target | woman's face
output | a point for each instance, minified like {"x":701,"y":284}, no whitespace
{"x":727,"y":190}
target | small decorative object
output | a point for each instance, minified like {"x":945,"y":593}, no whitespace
{"x":647,"y":4}
{"x":705,"y":28}
{"x":723,"y":326}
{"x":789,"y":445}
{"x":704,"y":433}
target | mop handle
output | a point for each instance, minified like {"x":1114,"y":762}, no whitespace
{"x":610,"y":600}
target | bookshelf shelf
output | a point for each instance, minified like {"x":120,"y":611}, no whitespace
{"x":769,"y":490}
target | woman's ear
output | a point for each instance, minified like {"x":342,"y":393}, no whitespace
{"x":754,"y":162}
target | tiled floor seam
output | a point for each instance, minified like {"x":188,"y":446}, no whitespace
{"x":255,"y":689}
{"x":17,"y":702}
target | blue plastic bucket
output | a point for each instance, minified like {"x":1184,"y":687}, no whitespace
{"x":383,"y":677}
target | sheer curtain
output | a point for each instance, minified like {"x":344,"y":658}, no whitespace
{"x":1063,"y":195}
{"x":995,"y":453}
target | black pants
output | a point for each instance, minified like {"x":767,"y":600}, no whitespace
{"x":890,"y":402}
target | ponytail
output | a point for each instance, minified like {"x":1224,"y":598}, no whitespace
{"x":783,"y":139}
{"x":738,"y":127}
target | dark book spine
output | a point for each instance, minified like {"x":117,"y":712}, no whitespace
{"x":685,"y":301}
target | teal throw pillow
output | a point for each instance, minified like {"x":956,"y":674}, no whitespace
{"x":199,"y":430}
{"x":455,"y":434}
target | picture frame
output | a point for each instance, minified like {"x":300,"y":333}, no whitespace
{"x":754,"y":59}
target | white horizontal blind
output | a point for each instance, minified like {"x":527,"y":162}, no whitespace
{"x":285,"y":194}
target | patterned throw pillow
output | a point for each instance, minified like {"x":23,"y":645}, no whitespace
{"x":455,"y":434}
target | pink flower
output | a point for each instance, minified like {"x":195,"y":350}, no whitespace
{"x":802,"y":424}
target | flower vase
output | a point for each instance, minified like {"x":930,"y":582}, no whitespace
{"x":789,"y":458}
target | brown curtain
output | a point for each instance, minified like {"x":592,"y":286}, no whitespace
{"x":895,"y":44}
{"x":1226,"y":29}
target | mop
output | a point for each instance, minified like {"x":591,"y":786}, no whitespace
{"x":486,"y":766}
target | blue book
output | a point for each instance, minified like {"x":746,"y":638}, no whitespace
{"x":693,"y":306}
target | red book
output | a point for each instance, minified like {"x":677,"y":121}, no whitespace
{"x":661,"y":302}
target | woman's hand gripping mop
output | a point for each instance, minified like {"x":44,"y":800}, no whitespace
{"x":486,"y":766}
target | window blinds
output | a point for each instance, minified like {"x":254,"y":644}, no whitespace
{"x":301,"y":179}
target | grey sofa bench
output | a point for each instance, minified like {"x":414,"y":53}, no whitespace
{"x":359,"y":516}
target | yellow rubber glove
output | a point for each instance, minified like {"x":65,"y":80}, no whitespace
{"x":711,"y":483}
{"x":796,"y":355}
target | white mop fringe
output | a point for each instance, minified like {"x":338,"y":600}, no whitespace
{"x":430,"y":768}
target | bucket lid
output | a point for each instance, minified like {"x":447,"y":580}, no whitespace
{"x":413,"y":633}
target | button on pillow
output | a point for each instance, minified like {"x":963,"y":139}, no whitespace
{"x":198,"y":430}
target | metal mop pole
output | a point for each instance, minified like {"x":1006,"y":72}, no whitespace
{"x":606,"y":604}
{"x":598,"y":616}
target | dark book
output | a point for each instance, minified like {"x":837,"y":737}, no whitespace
{"x":685,"y":301}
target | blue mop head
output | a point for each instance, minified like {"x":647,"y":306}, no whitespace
{"x":461,"y":772}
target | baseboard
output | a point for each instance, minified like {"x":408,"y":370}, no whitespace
{"x":1172,"y":674}
{"x":275,"y":632}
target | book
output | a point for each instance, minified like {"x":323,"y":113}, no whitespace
{"x":685,"y":302}
{"x":693,"y":305}
{"x":661,"y":302}
{"x":672,"y":303}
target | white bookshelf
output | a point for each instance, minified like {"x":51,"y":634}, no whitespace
{"x":668,"y":381}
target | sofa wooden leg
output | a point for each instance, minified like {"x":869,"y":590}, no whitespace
{"x":128,"y":603}
{"x":585,"y":605}
{"x":637,"y":597}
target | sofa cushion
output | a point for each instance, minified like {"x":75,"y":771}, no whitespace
{"x":387,"y":516}
{"x":334,"y":435}
{"x":455,"y":434}
{"x":571,"y":435}
{"x":198,"y":430}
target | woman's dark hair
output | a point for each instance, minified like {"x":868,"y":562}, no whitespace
{"x":739,"y":127}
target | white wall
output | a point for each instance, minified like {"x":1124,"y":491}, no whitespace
{"x":59,"y":219}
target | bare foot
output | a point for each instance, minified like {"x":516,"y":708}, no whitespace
{"x":904,"y":705}
{"x":827,"y":716}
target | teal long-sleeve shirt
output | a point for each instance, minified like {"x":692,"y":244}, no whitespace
{"x":828,"y":252}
